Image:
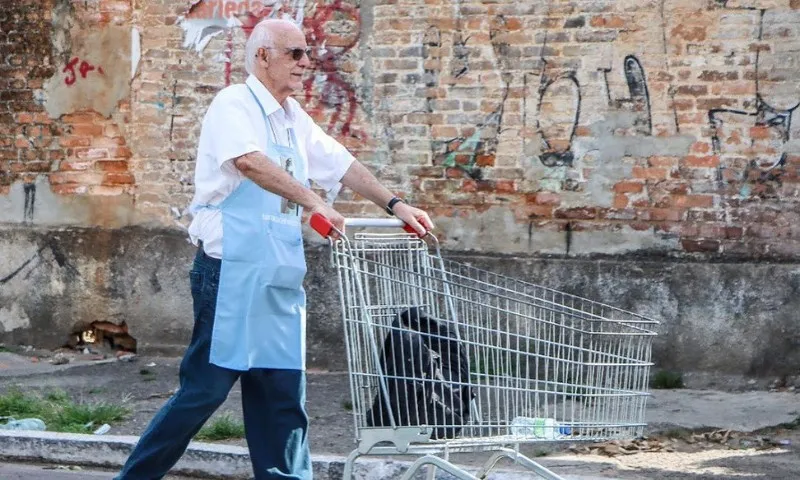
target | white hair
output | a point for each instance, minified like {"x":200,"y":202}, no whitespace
{"x":262,"y":36}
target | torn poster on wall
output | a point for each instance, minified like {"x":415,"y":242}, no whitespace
{"x":206,"y":19}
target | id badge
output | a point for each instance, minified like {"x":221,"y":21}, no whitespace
{"x":288,"y":207}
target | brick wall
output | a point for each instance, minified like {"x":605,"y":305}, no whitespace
{"x":553,"y":127}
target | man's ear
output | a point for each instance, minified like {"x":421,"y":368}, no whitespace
{"x":261,"y":54}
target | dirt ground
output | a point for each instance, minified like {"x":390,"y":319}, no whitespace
{"x":145,"y":383}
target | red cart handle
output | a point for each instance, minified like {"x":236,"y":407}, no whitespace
{"x":324,"y":227}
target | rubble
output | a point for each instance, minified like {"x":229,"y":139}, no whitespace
{"x":690,"y":441}
{"x":60,"y":359}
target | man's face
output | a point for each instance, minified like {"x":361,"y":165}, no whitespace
{"x":288,"y":61}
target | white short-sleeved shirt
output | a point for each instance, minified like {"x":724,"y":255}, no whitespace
{"x":234,"y":126}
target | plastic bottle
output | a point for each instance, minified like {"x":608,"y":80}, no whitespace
{"x":545,"y":428}
{"x":24,"y":424}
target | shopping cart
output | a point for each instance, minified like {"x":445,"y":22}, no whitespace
{"x":446,"y":358}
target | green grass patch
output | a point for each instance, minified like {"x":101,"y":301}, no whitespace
{"x":678,"y":433}
{"x":347,"y":405}
{"x":59,"y":412}
{"x":224,"y":427}
{"x":666,"y":379}
{"x":793,"y":425}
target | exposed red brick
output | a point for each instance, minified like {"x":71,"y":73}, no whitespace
{"x":703,"y":162}
{"x":539,"y":211}
{"x":666,"y":214}
{"x":118,"y":179}
{"x":544,"y":198}
{"x":485,"y":160}
{"x":582,"y":213}
{"x":628,"y":187}
{"x":656,"y":161}
{"x":651,"y":173}
{"x":505,"y":186}
{"x":115,"y":166}
{"x":700,"y":246}
{"x":689,"y":33}
{"x":692,"y":90}
{"x":761,"y":133}
{"x":694,"y":201}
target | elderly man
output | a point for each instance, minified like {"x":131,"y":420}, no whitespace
{"x":258,"y":150}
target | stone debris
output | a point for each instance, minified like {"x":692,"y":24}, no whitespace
{"x":126,"y":356}
{"x":60,"y":359}
{"x":613,"y":448}
{"x":726,"y":438}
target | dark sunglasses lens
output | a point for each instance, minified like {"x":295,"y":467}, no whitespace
{"x":297,"y":53}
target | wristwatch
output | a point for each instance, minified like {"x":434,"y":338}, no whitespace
{"x":390,"y":206}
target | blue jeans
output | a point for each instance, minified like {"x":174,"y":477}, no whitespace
{"x":273,"y":402}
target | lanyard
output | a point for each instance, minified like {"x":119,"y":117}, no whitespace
{"x":267,"y":120}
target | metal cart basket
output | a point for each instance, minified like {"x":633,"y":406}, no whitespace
{"x":447,"y":358}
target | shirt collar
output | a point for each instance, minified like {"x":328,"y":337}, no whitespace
{"x":267,"y":100}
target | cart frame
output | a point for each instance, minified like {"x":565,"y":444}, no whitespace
{"x":572,"y":368}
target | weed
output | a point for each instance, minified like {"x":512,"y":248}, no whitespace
{"x":667,"y":380}
{"x":794,"y":424}
{"x":678,"y":433}
{"x":82,"y":418}
{"x":222,"y":428}
{"x":59,"y":412}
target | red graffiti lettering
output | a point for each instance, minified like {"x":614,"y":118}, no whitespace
{"x":70,"y":70}
{"x":84,"y":68}
{"x":336,"y":87}
{"x":337,"y":96}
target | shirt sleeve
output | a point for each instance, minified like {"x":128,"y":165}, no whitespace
{"x":232,"y":131}
{"x":328,"y":160}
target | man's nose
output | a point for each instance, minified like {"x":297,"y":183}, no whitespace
{"x":304,"y":61}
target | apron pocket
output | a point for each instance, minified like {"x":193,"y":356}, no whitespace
{"x":286,"y":264}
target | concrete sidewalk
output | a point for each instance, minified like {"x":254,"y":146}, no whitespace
{"x":667,"y":410}
{"x":207,"y":460}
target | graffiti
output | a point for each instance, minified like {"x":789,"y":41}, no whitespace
{"x":326,"y":91}
{"x":336,"y":92}
{"x":556,"y":128}
{"x":30,"y":201}
{"x":210,"y":9}
{"x":459,"y":66}
{"x":670,"y":90}
{"x":768,"y":129}
{"x":476,"y":149}
{"x":556,"y":125}
{"x":58,"y":255}
{"x":84,"y":68}
{"x":771,"y":128}
{"x":466,"y":153}
{"x":639,"y":96}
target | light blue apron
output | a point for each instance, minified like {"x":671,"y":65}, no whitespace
{"x":260,"y":318}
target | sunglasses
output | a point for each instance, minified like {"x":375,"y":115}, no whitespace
{"x":296,"y":53}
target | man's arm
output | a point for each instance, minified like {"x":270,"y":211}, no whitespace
{"x":359,"y":179}
{"x":269,"y":176}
